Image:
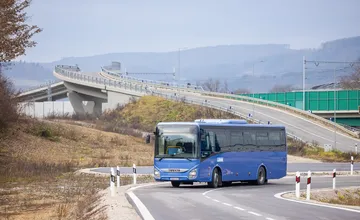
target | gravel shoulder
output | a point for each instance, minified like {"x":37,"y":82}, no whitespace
{"x":330,"y":197}
{"x":296,"y":159}
{"x":117,"y":206}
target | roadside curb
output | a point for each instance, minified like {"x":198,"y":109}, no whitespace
{"x":324,"y":173}
{"x":140,"y":208}
{"x":316,"y":203}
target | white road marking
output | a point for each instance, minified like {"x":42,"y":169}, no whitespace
{"x":254,"y":213}
{"x":241,"y":209}
{"x":142,"y":208}
{"x":227,"y":204}
{"x":204,"y":193}
{"x":279,"y":196}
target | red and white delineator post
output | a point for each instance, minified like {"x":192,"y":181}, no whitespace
{"x":297,"y":184}
{"x":352,"y":165}
{"x":334,"y":178}
{"x":308,"y":187}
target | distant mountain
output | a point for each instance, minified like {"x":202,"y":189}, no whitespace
{"x":234,"y":63}
{"x":26,"y":75}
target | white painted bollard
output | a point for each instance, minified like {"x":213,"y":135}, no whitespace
{"x":334,"y":178}
{"x":308,"y":187}
{"x":352,"y":165}
{"x":112,"y":181}
{"x":112,"y":177}
{"x":297,"y":185}
{"x":134,"y":174}
{"x":355,"y":150}
{"x":118,"y":176}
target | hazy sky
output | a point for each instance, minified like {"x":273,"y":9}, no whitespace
{"x":90,"y":27}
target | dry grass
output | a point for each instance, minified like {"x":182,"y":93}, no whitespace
{"x":313,"y":151}
{"x":147,"y":111}
{"x":37,"y":160}
{"x":344,"y":196}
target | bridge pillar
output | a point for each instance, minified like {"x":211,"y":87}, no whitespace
{"x":84,"y":105}
{"x":49,"y":97}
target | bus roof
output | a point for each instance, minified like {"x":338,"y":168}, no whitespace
{"x":221,"y":124}
{"x":221,"y":121}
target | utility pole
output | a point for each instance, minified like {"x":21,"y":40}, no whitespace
{"x":335,"y":106}
{"x":253,"y":95}
{"x":334,"y":87}
{"x":304,"y":69}
{"x":180,"y":48}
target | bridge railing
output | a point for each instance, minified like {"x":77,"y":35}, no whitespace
{"x":44,"y":85}
{"x":142,"y":85}
{"x":147,"y":81}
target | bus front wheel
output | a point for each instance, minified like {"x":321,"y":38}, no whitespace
{"x":175,"y":183}
{"x":216,"y":179}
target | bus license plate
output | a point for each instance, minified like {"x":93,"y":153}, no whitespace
{"x":173,"y":178}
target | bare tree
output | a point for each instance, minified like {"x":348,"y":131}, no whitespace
{"x":212,"y":85}
{"x":282,"y":88}
{"x":242,"y":91}
{"x":352,"y":81}
{"x":225,"y":87}
{"x":15,"y":34}
{"x":15,"y":37}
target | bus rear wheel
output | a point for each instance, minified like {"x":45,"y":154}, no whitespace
{"x":261,"y":176}
{"x":175,"y":183}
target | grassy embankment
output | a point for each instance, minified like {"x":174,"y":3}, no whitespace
{"x":147,"y":111}
{"x":37,"y":164}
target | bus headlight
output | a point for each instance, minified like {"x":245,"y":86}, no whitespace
{"x":156,"y":173}
{"x":193,"y":174}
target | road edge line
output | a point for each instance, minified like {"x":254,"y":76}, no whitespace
{"x":279,"y":196}
{"x":140,"y":208}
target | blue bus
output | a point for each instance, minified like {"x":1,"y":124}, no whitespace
{"x":219,"y":152}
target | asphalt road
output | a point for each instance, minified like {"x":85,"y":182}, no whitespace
{"x":239,"y":201}
{"x":292,"y":167}
{"x":303,"y":128}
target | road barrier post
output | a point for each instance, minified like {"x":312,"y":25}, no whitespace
{"x":134,"y":174}
{"x":334,"y":178}
{"x":118,"y":176}
{"x":112,"y":181}
{"x":355,"y":150}
{"x":297,"y":184}
{"x":352,"y":165}
{"x":308,"y":185}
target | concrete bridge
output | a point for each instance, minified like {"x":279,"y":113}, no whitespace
{"x":106,"y":89}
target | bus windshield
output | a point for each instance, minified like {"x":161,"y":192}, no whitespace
{"x":176,"y":143}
